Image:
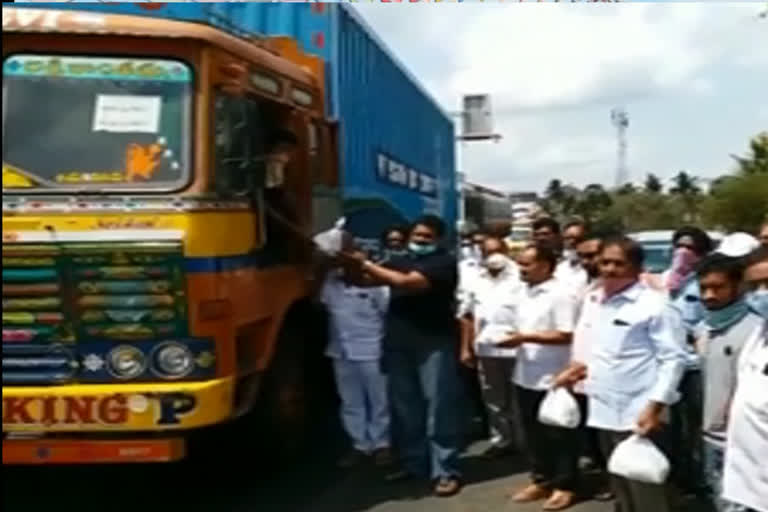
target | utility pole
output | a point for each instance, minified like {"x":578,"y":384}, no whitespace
{"x":477,"y":126}
{"x":620,"y":120}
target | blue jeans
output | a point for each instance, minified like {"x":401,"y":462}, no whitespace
{"x":426,"y":400}
{"x":714,"y":459}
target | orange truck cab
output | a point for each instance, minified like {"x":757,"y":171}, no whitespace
{"x":151,"y":268}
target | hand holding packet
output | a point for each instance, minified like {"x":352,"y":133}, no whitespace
{"x":559,"y":409}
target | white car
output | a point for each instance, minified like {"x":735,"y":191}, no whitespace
{"x":658,"y":247}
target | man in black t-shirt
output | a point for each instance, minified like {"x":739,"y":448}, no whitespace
{"x":420,"y":356}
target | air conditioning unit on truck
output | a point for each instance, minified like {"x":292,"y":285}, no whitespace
{"x":154,"y":285}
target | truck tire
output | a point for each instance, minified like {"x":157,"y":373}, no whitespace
{"x":296,"y":405}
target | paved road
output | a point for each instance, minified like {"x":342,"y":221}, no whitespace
{"x":312,"y":486}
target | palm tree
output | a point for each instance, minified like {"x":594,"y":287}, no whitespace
{"x":757,"y":161}
{"x":685,"y":185}
{"x":653,"y":184}
{"x":555,"y":191}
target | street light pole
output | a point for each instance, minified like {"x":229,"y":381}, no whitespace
{"x":476,"y":126}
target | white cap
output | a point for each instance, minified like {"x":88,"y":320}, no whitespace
{"x":737,"y":245}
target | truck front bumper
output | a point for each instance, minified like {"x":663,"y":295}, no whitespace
{"x":89,"y":423}
{"x":91,"y":451}
{"x":138,"y":407}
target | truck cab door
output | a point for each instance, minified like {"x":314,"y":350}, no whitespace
{"x":327,"y":197}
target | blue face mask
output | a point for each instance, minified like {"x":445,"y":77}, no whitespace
{"x":758,"y":301}
{"x":421,"y":249}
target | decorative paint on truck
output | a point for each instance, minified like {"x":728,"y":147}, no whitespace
{"x":146,"y":293}
{"x":396,"y":143}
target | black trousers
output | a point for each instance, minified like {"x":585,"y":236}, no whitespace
{"x":631,"y":495}
{"x":553,"y":451}
{"x":590,"y":441}
{"x":685,"y":434}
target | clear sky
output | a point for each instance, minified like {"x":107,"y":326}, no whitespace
{"x":693,"y":77}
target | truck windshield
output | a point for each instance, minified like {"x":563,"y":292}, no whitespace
{"x":94,"y":123}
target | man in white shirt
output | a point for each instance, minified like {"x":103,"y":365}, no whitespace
{"x":495,"y":287}
{"x":588,"y":251}
{"x":745,"y":479}
{"x":756,"y":280}
{"x":569,"y":270}
{"x":356,"y":326}
{"x":545,"y":321}
{"x":634,"y":363}
{"x":470,"y":263}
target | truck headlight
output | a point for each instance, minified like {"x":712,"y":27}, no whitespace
{"x":172,"y":360}
{"x":126,"y":362}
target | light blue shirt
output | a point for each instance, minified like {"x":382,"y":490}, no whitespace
{"x":636,"y":354}
{"x":356,"y":319}
{"x":692,"y":311}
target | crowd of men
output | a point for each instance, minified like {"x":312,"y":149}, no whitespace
{"x":679,"y":358}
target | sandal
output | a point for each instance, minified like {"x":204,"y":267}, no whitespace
{"x":560,"y":500}
{"x":447,"y":486}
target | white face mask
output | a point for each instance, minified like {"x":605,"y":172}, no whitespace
{"x":496,"y":262}
{"x":571,"y":256}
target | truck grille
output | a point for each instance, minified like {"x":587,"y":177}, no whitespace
{"x":57,"y":296}
{"x":33,"y":301}
{"x":38,"y":364}
{"x":128,"y":294}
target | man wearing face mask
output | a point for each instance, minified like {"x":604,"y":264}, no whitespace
{"x":691,"y":245}
{"x":744,"y":477}
{"x":470,"y":263}
{"x":634,"y":364}
{"x":465,"y":247}
{"x":727,"y":324}
{"x":419,"y":356}
{"x":493,"y":288}
{"x":756,"y":280}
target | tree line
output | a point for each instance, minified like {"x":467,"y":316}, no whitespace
{"x":736,"y":201}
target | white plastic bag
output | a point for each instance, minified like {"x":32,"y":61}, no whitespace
{"x":559,"y":409}
{"x":331,"y":241}
{"x":637,"y":458}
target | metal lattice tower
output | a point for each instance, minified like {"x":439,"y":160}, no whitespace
{"x":620,"y":120}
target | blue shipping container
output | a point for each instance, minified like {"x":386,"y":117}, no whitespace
{"x":397,"y":144}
